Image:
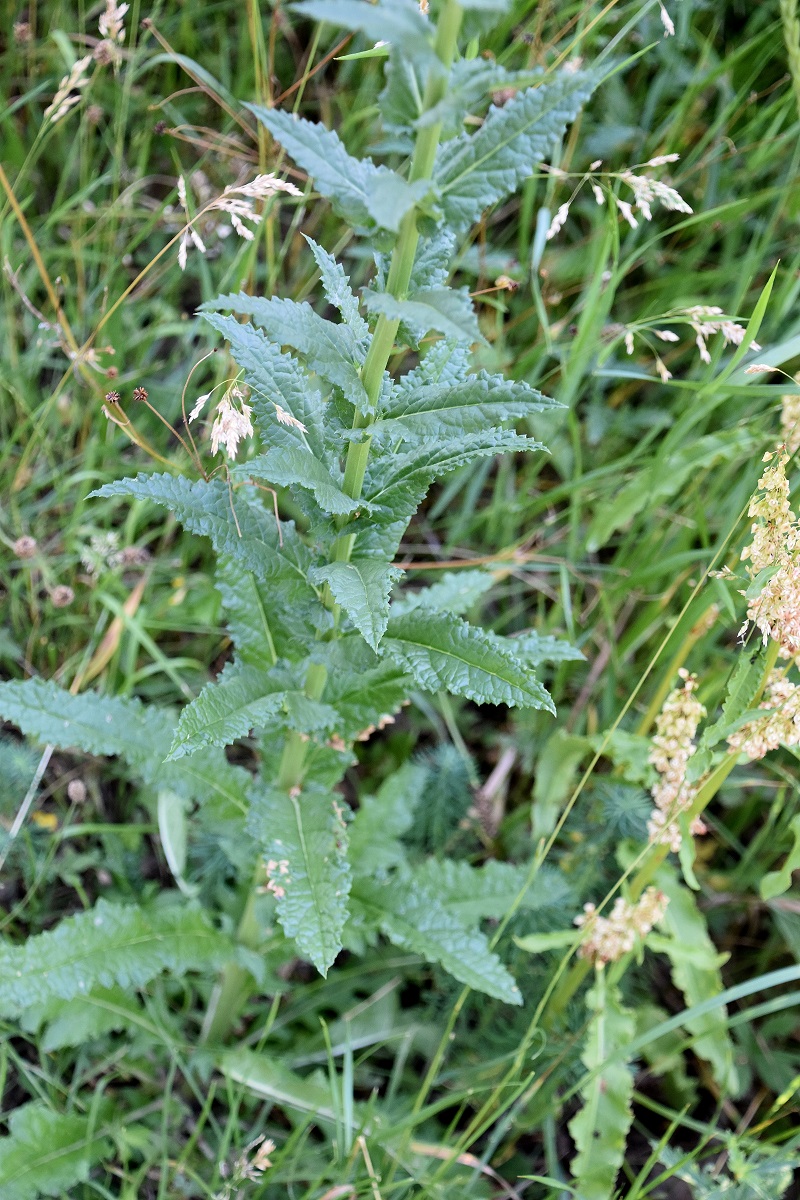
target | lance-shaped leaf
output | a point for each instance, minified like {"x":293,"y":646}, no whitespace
{"x":304,"y":842}
{"x":698,"y":977}
{"x":338,"y":290}
{"x":775,"y":883}
{"x":454,"y":592}
{"x":331,"y":351}
{"x":476,"y":170}
{"x":362,"y":588}
{"x":443,"y":653}
{"x":413,"y":918}
{"x":243,"y":697}
{"x":446,"y":310}
{"x":397,"y":21}
{"x":275,"y":378}
{"x":600,"y":1128}
{"x":246,"y":613}
{"x":106,"y":945}
{"x":477,"y":404}
{"x":235,"y":525}
{"x":48,"y":1153}
{"x":365,"y":194}
{"x":90,"y":1016}
{"x":296,"y":465}
{"x":366,"y":691}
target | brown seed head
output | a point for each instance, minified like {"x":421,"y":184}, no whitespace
{"x":25,"y":547}
{"x":94,"y":114}
{"x":113,"y":397}
{"x":62,"y":596}
{"x":140,"y":394}
{"x":160,"y":127}
{"x":22,"y":32}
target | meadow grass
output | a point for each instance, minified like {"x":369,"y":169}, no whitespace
{"x":413,"y":1086}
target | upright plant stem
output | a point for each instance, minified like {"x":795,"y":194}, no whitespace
{"x":231,"y":992}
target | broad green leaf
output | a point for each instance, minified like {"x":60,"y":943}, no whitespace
{"x":236,"y":526}
{"x":296,"y":465}
{"x":600,"y":1128}
{"x":445,"y":310}
{"x":338,"y":290}
{"x":305,"y":839}
{"x":241,"y":698}
{"x":775,"y":883}
{"x":74,"y":1022}
{"x":365,"y":194}
{"x":475,"y":404}
{"x":111,"y":725}
{"x":472,"y":893}
{"x":382,"y":820}
{"x":535,"y":648}
{"x":330,"y":351}
{"x":48,"y":1153}
{"x":416,"y":920}
{"x":397,"y":21}
{"x":696,"y":981}
{"x":444,"y":653}
{"x":275,"y":378}
{"x":106,"y":945}
{"x":454,"y":592}
{"x":362,"y":588}
{"x":470,"y":84}
{"x":365,"y":691}
{"x":245,"y":605}
{"x":473,"y":171}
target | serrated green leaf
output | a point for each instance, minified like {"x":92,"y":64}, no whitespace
{"x":305,"y":839}
{"x":414,"y":919}
{"x":471,"y":82}
{"x":364,"y":690}
{"x":454,"y":592}
{"x":472,"y":893}
{"x":775,"y":883}
{"x":246,"y":617}
{"x":365,"y":194}
{"x":338,"y":290}
{"x":697,"y":982}
{"x":241,"y":698}
{"x":296,"y":465}
{"x":106,"y":945}
{"x":382,"y":820}
{"x":74,"y":1022}
{"x":475,"y":170}
{"x":111,"y":725}
{"x":477,"y":404}
{"x":362,"y":588}
{"x":274,"y":378}
{"x":252,"y":538}
{"x":397,"y":21}
{"x":330,"y":351}
{"x":48,"y":1153}
{"x":444,"y":653}
{"x":446,"y":310}
{"x":600,"y":1128}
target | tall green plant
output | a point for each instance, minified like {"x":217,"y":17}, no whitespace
{"x":324,"y":653}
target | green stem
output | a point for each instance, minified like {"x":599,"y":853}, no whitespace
{"x":231,"y":992}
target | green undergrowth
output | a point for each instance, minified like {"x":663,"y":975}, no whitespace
{"x":165,"y":1029}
